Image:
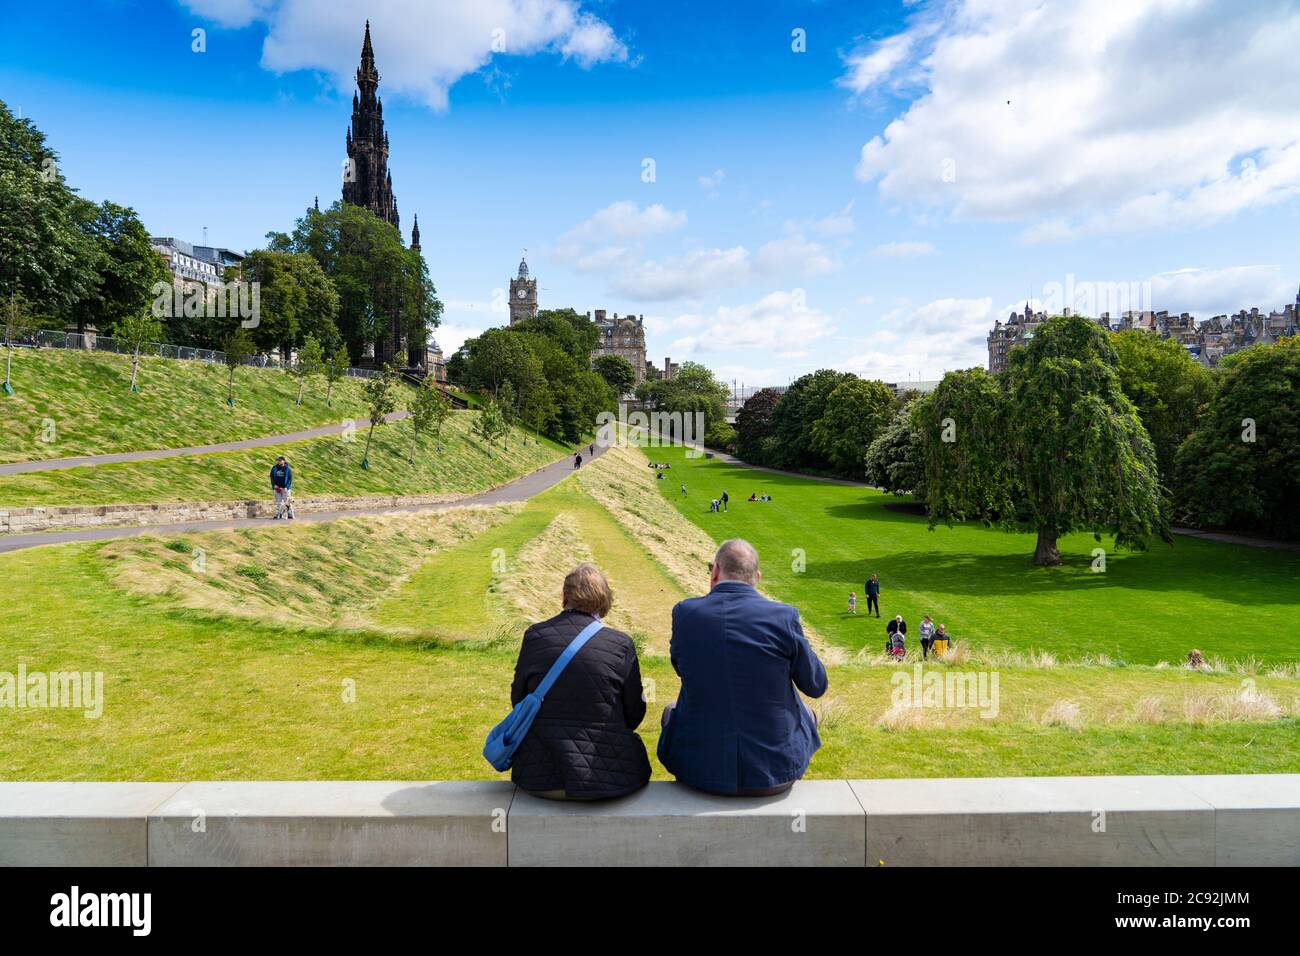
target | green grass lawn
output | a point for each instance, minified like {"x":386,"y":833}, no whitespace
{"x":322,"y":467}
{"x":81,"y":401}
{"x":1227,"y":600}
{"x":206,"y":695}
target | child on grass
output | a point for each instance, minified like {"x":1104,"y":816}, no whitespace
{"x":853,"y":603}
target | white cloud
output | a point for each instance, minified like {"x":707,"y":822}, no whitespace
{"x":686,"y":276}
{"x":778,"y":322}
{"x":1209,"y":292}
{"x":422,"y":48}
{"x":906,"y":249}
{"x":1088,"y":116}
{"x":834,"y":226}
{"x":611,"y":237}
{"x":794,"y":255}
{"x":925,"y":342}
{"x":714,"y":180}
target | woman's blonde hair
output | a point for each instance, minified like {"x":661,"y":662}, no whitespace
{"x":586,"y":589}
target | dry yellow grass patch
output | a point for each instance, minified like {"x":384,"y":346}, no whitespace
{"x":622,"y":481}
{"x":1063,"y":713}
{"x":314,"y":574}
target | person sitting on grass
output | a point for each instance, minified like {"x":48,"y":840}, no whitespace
{"x":753,"y":496}
{"x":925,"y":630}
{"x":738,"y":726}
{"x":583,"y":744}
{"x":895,"y":636}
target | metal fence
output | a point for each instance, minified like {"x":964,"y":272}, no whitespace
{"x":50,"y":339}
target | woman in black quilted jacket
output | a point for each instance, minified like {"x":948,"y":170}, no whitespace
{"x":583,"y":743}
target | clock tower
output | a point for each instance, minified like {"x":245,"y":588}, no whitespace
{"x":523,"y":295}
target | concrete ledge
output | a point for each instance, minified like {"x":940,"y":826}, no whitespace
{"x":1037,"y":821}
{"x":816,"y":823}
{"x":1251,"y":820}
{"x":325,"y":823}
{"x":78,"y":824}
{"x":1256,"y":817}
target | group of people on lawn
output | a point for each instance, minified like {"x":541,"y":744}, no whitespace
{"x":738,"y":726}
{"x":933,"y":638}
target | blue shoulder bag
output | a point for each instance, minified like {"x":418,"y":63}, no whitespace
{"x":504,"y":739}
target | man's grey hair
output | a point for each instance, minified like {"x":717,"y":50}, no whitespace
{"x":737,"y":560}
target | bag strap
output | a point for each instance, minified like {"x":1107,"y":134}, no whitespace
{"x":562,"y":661}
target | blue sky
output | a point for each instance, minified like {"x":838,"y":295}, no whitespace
{"x":870,"y":203}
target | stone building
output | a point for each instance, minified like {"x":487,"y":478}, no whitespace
{"x":1207,"y":341}
{"x":368,"y":182}
{"x":523,"y":295}
{"x":625,"y":337}
{"x":1018,"y":330}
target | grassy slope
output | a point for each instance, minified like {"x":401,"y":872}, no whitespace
{"x":195,"y":695}
{"x":179,"y":404}
{"x":322,"y":467}
{"x":1227,"y":600}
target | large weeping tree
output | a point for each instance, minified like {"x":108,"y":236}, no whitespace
{"x":1053,"y":446}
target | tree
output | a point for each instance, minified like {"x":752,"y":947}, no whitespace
{"x":1167,"y":386}
{"x":894,"y":460}
{"x":239,"y":347}
{"x":16,"y":326}
{"x":137,"y":331}
{"x":1053,"y":446}
{"x":334,"y":369}
{"x":694,"y":394}
{"x":1238,"y":469}
{"x":381,"y":400}
{"x":754,"y":423}
{"x":490,"y":424}
{"x":617,"y":371}
{"x":126,"y":268}
{"x":46,"y":260}
{"x":795,"y":415}
{"x":856,"y":411}
{"x":309,"y":362}
{"x":429,"y":409}
{"x":373,"y":274}
{"x":509,"y":403}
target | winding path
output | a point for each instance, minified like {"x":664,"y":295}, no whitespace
{"x":521,"y":489}
{"x":57,"y":464}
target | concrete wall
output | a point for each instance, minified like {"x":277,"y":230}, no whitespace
{"x":1065,"y":821}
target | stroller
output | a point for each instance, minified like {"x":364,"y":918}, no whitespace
{"x":896,"y":645}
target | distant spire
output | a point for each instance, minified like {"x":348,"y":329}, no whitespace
{"x":317,"y":204}
{"x":415,"y":233}
{"x":523,"y":269}
{"x":367,"y":51}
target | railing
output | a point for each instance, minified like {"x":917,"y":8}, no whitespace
{"x":50,"y":339}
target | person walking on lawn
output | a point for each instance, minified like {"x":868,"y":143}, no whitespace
{"x":282,"y":485}
{"x":873,"y":595}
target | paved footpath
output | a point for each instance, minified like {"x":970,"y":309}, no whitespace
{"x":57,"y":464}
{"x":521,"y":489}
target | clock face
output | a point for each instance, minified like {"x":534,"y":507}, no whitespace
{"x":522,"y":293}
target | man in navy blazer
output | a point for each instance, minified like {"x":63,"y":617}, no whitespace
{"x":738,"y":727}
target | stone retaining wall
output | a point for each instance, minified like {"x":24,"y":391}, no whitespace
{"x":55,"y":517}
{"x":1250,"y":820}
